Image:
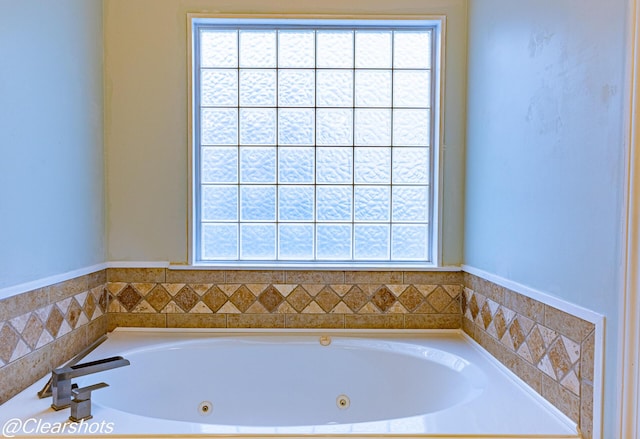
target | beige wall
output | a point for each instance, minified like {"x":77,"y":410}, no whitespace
{"x":146,"y":116}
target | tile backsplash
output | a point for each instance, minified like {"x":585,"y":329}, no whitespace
{"x":550,"y":350}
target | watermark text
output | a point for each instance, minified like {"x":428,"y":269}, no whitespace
{"x":32,"y":426}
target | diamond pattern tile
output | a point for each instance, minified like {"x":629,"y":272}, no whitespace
{"x":89,"y":306}
{"x":158,"y":297}
{"x":411,"y":298}
{"x":383,"y":299}
{"x":327,"y":299}
{"x":73,"y":313}
{"x":214,"y":298}
{"x":270,"y":298}
{"x":242,"y":298}
{"x":54,"y":321}
{"x":299,"y":299}
{"x":355,"y":298}
{"x":439,"y":299}
{"x":129,"y":297}
{"x":473,"y":306}
{"x":32,"y":331}
{"x":559,"y":358}
{"x":8,"y":341}
{"x":186,"y":298}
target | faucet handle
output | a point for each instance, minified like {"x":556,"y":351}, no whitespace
{"x":81,"y":402}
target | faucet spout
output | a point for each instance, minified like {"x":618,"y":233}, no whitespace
{"x":61,"y":378}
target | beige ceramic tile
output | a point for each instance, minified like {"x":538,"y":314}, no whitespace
{"x":253,"y":276}
{"x":485,"y":287}
{"x":96,"y":279}
{"x":432,"y":321}
{"x":23,"y":303}
{"x":563,"y":399}
{"x":573,"y":327}
{"x":68,"y":288}
{"x":136,"y":275}
{"x":432,"y":277}
{"x":195,"y":276}
{"x":22,"y":373}
{"x":525,"y":306}
{"x":314,"y":277}
{"x":468,"y":327}
{"x":587,"y":357}
{"x":373,"y":277}
{"x":196,"y":321}
{"x":315,"y":321}
{"x":586,"y":411}
{"x":116,"y":320}
{"x":367,"y":321}
{"x":96,"y":328}
{"x":65,"y":347}
{"x":255,"y":320}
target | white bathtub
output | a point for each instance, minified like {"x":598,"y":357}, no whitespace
{"x":212,"y":382}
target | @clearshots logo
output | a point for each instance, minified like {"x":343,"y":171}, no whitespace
{"x":32,"y":426}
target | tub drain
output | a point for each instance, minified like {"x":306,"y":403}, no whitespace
{"x":343,"y":402}
{"x":205,"y":408}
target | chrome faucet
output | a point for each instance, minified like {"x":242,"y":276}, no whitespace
{"x":61,"y":387}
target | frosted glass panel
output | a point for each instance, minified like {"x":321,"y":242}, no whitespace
{"x":219,"y":164}
{"x":295,"y":241}
{"x":257,"y":48}
{"x":410,"y":203}
{"x":412,"y":88}
{"x":334,"y":126}
{"x":373,"y":88}
{"x":257,"y":165}
{"x":371,"y":242}
{"x":372,"y":203}
{"x":411,"y":166}
{"x":334,"y":203}
{"x":219,"y":241}
{"x":409,"y":242}
{"x":296,"y":203}
{"x":412,"y":50}
{"x":373,"y":49}
{"x":258,"y":88}
{"x":258,"y":241}
{"x":257,"y":126}
{"x":296,"y":48}
{"x":334,"y":165}
{"x":296,"y":164}
{"x":296,"y":88}
{"x":258,"y":203}
{"x":219,"y":126}
{"x":411,"y":127}
{"x":219,"y":203}
{"x":335,"y":49}
{"x":295,"y":126}
{"x":333,"y":242}
{"x":334,"y":88}
{"x":373,"y":165}
{"x":219,"y":48}
{"x":373,"y":127}
{"x":219,"y":88}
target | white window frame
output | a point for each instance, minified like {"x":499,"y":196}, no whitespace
{"x":438,"y":72}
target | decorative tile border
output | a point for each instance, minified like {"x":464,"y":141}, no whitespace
{"x":550,"y":350}
{"x":42,"y":328}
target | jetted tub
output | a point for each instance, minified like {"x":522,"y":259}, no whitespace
{"x":210,"y":382}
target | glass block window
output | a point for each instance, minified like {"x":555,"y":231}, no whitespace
{"x":313,"y":141}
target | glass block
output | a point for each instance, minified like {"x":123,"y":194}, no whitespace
{"x":372,"y":203}
{"x":295,"y":126}
{"x":218,"y":88}
{"x":218,"y":48}
{"x":334,"y":203}
{"x":257,"y":165}
{"x":258,"y":241}
{"x":257,"y":48}
{"x":295,"y":241}
{"x":334,"y":88}
{"x":219,"y":203}
{"x":257,"y":126}
{"x":410,"y":242}
{"x":333,"y":242}
{"x":373,"y":165}
{"x":219,"y":164}
{"x":334,"y":165}
{"x":373,"y":127}
{"x":373,"y":88}
{"x":411,"y":127}
{"x":296,"y":164}
{"x":296,"y":48}
{"x":296,"y":203}
{"x":371,"y":242}
{"x":334,"y":126}
{"x":257,"y":203}
{"x":296,"y":88}
{"x":412,"y":50}
{"x":219,"y":126}
{"x":219,"y":241}
{"x":335,"y":49}
{"x":373,"y":49}
{"x":410,"y":166}
{"x":412,"y":88}
{"x":258,"y":88}
{"x":410,"y":203}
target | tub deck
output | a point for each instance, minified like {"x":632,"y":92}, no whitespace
{"x":506,"y":407}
